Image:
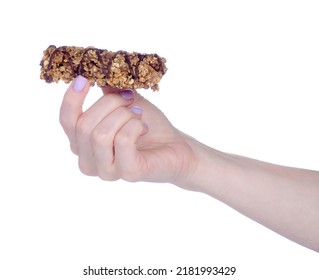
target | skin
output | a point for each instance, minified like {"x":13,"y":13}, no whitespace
{"x":113,"y":142}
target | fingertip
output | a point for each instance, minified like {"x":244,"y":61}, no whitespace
{"x":137,"y":110}
{"x":79,"y":84}
{"x":145,"y":128}
{"x":107,"y":89}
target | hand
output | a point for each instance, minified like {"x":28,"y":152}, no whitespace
{"x":112,"y":142}
{"x":124,"y":136}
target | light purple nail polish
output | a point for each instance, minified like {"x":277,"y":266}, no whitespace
{"x":127,"y":94}
{"x":137,"y":110}
{"x":145,"y":125}
{"x":79,"y":83}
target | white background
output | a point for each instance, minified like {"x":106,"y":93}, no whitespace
{"x":243,"y":78}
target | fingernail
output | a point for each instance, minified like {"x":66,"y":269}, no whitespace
{"x":145,"y":125}
{"x":79,"y":83}
{"x":145,"y":130}
{"x":127,"y":94}
{"x":137,"y":110}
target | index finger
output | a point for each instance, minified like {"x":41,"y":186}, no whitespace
{"x":108,"y":89}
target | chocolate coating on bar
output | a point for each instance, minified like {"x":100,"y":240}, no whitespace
{"x":54,"y":53}
{"x":80,"y":69}
{"x":117,"y":69}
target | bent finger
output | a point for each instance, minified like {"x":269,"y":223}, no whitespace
{"x":103,"y":141}
{"x":108,"y":89}
{"x":86,"y":124}
{"x":128,"y":161}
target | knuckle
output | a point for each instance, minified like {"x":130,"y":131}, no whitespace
{"x":64,"y":121}
{"x":122,"y":139}
{"x":114,"y":99}
{"x":125,"y":112}
{"x":129,"y":172}
{"x":107,"y":177}
{"x":104,"y":134}
{"x":99,"y":137}
{"x":131,"y":179}
{"x":107,"y":173}
{"x":82,"y":126}
{"x":124,"y":136}
{"x":74,"y":148}
{"x":130,"y":176}
{"x":86,"y":169}
{"x":65,"y":108}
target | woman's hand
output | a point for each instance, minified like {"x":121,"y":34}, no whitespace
{"x":124,"y":136}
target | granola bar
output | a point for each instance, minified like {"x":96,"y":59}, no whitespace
{"x":116,"y":69}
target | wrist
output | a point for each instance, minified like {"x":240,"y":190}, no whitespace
{"x":207,"y":170}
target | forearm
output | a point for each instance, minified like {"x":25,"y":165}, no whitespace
{"x":283,"y":199}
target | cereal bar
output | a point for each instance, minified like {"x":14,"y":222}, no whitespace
{"x":116,"y":69}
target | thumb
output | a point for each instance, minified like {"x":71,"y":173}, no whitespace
{"x":74,"y":97}
{"x":71,"y":107}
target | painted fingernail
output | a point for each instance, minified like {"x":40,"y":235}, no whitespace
{"x":79,"y":83}
{"x":127,"y":94}
{"x":145,"y":129}
{"x":145,"y":125}
{"x":137,"y":110}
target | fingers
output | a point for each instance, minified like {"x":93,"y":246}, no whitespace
{"x":107,"y":89}
{"x":128,"y":160}
{"x":77,"y":124}
{"x":104,"y":138}
{"x":109,"y":110}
